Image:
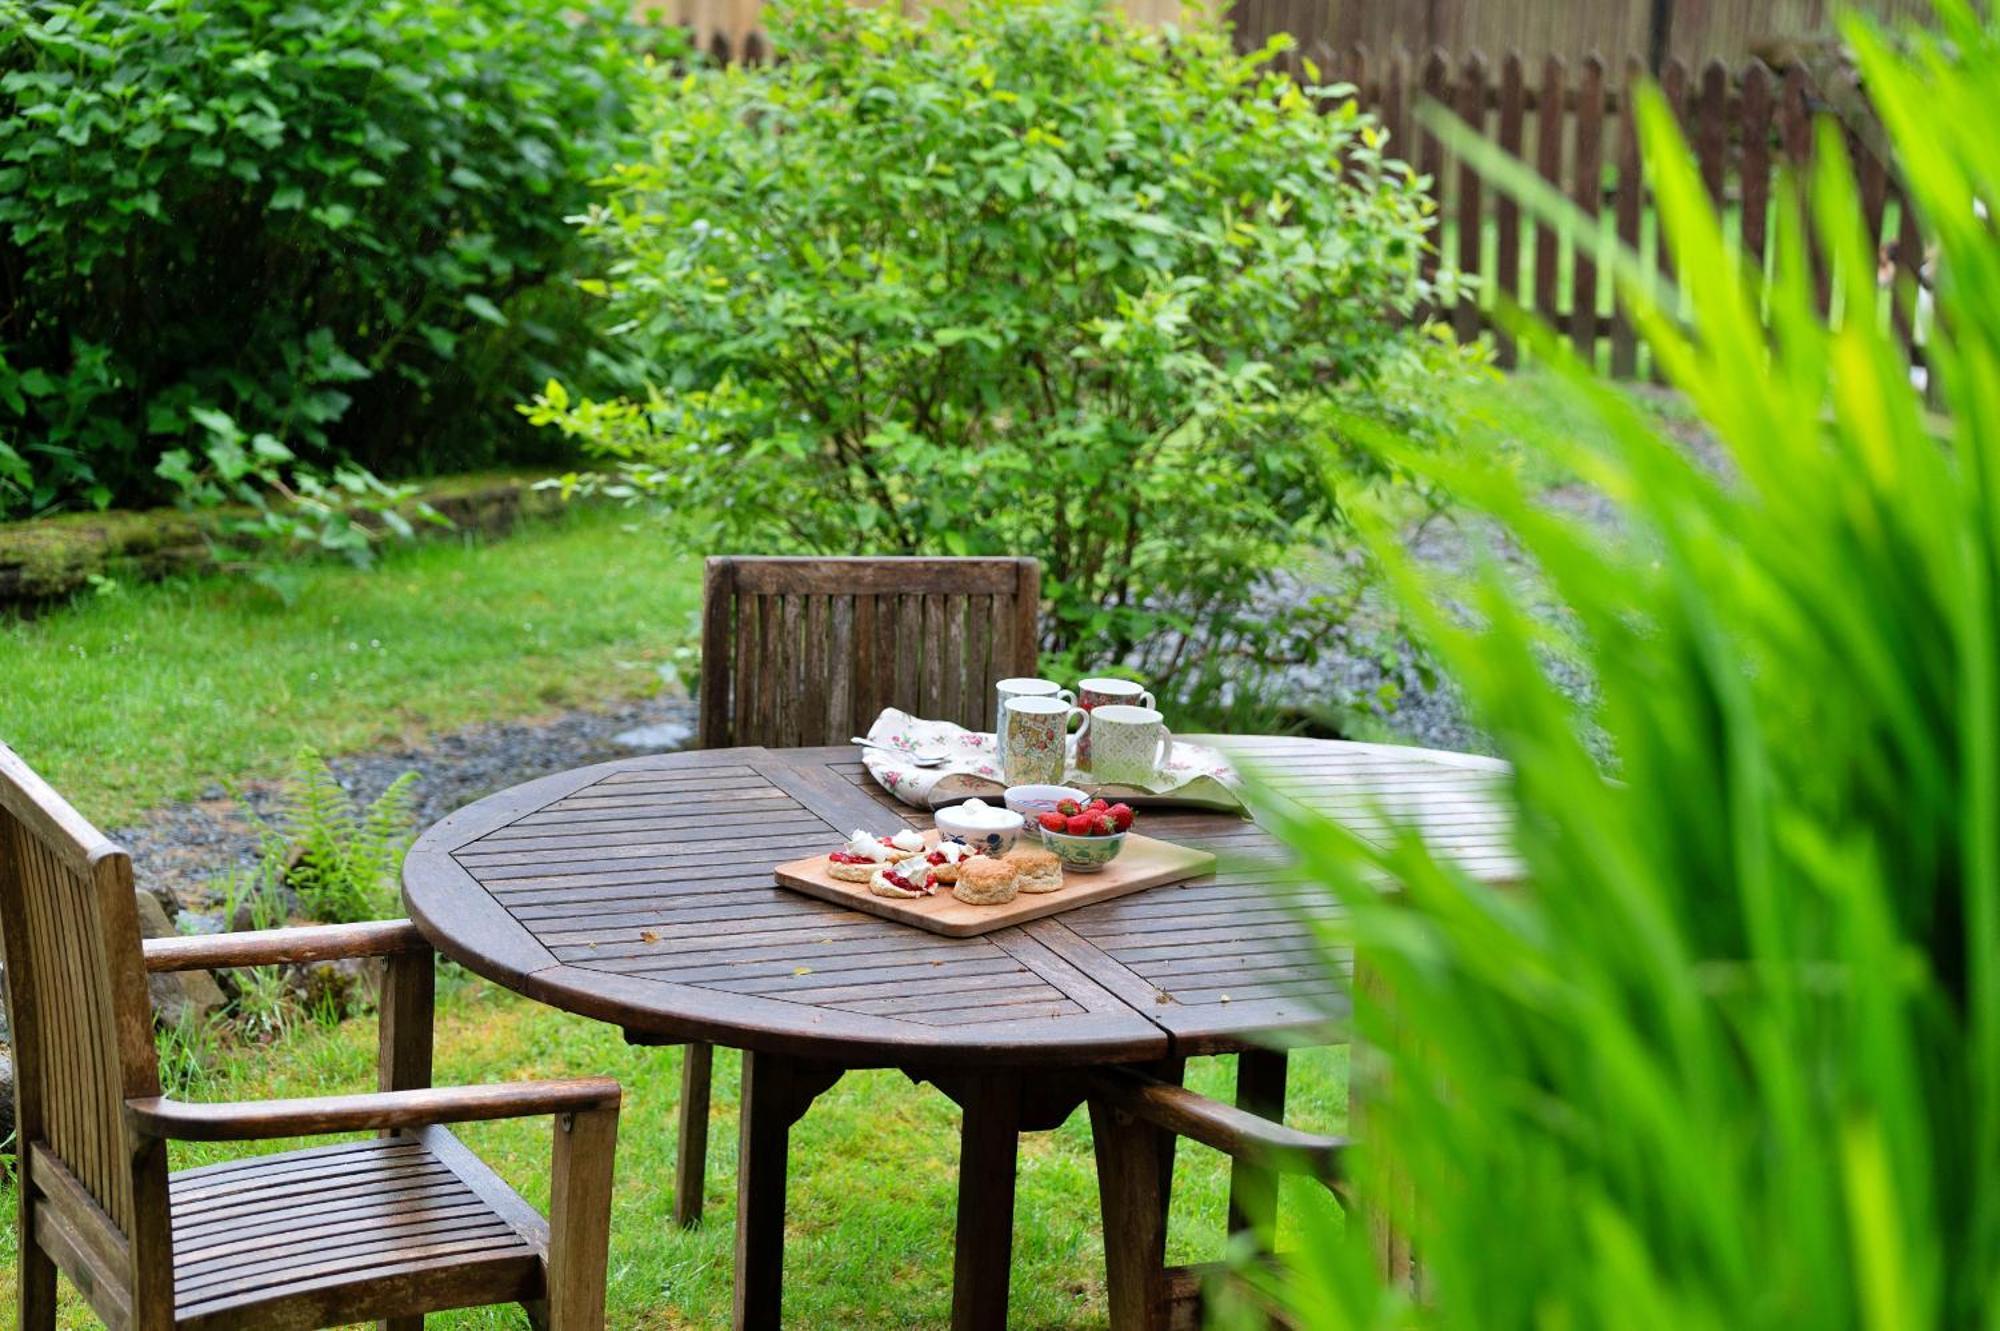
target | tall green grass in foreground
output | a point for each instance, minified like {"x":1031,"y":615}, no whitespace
{"x":1732,"y":1060}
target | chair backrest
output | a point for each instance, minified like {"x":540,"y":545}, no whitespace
{"x":82,"y":1021}
{"x":810,"y":650}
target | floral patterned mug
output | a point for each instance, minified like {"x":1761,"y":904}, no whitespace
{"x":1133,"y":744}
{"x":1032,"y":735}
{"x":1027,"y":687}
{"x":1102,"y":692}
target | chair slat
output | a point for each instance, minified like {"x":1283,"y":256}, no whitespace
{"x":868,"y":692}
{"x":842,"y":658}
{"x":817,"y":651}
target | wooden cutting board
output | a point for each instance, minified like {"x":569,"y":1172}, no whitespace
{"x":1143,"y":863}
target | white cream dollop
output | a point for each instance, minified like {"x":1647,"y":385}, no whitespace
{"x":952,"y":851}
{"x":868,"y":846}
{"x":908,"y":840}
{"x":981,"y":814}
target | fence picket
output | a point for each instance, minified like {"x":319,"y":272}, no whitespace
{"x":1507,"y":213}
{"x":1589,"y":195}
{"x":1549,"y":161}
{"x":1395,"y":102}
{"x":1471,"y":214}
{"x":1711,"y":134}
{"x":1754,"y":167}
{"x":1437,"y":89}
{"x":1630,"y":208}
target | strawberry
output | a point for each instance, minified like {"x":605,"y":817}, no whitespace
{"x":1068,"y":808}
{"x":1101,"y":824}
{"x":1079,"y":825}
{"x":1055,"y":822}
{"x":1121,"y":815}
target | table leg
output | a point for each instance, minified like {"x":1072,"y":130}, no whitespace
{"x":1260,"y":1088}
{"x":1135,"y":1163}
{"x":776,"y":1092}
{"x":691,"y":1160}
{"x":983,"y":1256}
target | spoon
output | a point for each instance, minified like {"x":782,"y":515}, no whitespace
{"x":917,"y":757}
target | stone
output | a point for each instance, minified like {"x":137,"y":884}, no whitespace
{"x":181,"y":996}
{"x":7,"y":1098}
{"x":655,"y":739}
{"x":336,"y":990}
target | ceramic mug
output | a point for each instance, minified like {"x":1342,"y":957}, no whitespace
{"x":1131,"y":744}
{"x":1025,"y":686}
{"x":1032,"y":735}
{"x":1093,"y":693}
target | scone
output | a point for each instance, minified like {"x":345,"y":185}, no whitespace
{"x":905,"y":880}
{"x":946,"y":857}
{"x":986,"y":882}
{"x":864,"y":853}
{"x":1038,"y":870}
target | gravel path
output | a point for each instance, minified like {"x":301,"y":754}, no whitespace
{"x":179,"y":850}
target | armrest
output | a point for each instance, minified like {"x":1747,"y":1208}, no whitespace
{"x":261,"y":1120}
{"x":1234,"y":1132}
{"x":272,"y":947}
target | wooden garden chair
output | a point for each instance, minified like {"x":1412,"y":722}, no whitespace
{"x":388,"y":1228}
{"x":797,"y":652}
{"x":1135,"y":1118}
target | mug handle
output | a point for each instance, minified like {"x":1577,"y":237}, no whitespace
{"x":1166,"y":750}
{"x":1146,"y":699}
{"x":1081,"y":730}
{"x":1068,"y":696}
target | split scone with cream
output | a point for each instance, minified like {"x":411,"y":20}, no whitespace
{"x":1038,"y":870}
{"x":946,"y":857}
{"x":986,"y":882}
{"x":905,"y":880}
{"x":865,"y":853}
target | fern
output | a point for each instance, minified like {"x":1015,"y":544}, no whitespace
{"x":341,"y":858}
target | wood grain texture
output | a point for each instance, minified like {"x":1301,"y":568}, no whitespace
{"x":805,"y":651}
{"x":384,"y":1230}
{"x":689,"y":939}
{"x":1145,"y":862}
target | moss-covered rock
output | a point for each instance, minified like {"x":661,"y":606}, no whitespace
{"x":50,"y":558}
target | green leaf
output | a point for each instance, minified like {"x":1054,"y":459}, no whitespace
{"x":485,"y":309}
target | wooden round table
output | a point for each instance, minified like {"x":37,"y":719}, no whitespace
{"x":639,"y":892}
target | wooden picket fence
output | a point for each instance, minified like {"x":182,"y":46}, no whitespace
{"x":1746,"y":126}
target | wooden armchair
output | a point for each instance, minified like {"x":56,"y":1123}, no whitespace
{"x":388,"y":1228}
{"x":1134,"y":1120}
{"x":797,"y":652}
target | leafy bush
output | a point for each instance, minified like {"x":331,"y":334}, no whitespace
{"x":1024,"y":279}
{"x":253,"y":240}
{"x":1730,"y":1058}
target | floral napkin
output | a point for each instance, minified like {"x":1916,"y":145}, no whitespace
{"x":1194,"y":775}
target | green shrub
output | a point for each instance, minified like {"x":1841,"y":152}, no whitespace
{"x":252,"y":238}
{"x":1023,"y":279}
{"x":1731,"y":1057}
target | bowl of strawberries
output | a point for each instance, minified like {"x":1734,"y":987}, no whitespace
{"x":1085,"y":837}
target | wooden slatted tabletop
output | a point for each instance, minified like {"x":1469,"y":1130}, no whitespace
{"x":640,"y":893}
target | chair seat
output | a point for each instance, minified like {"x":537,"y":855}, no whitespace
{"x":280,"y":1241}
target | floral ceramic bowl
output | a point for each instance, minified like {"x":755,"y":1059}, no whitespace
{"x":980,"y":825}
{"x":1032,"y":802}
{"x":1083,"y":854}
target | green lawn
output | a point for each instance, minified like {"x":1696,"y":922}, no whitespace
{"x":874,"y":1172}
{"x":145,"y":695}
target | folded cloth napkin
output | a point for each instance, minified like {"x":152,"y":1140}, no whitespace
{"x":1194,"y":775}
